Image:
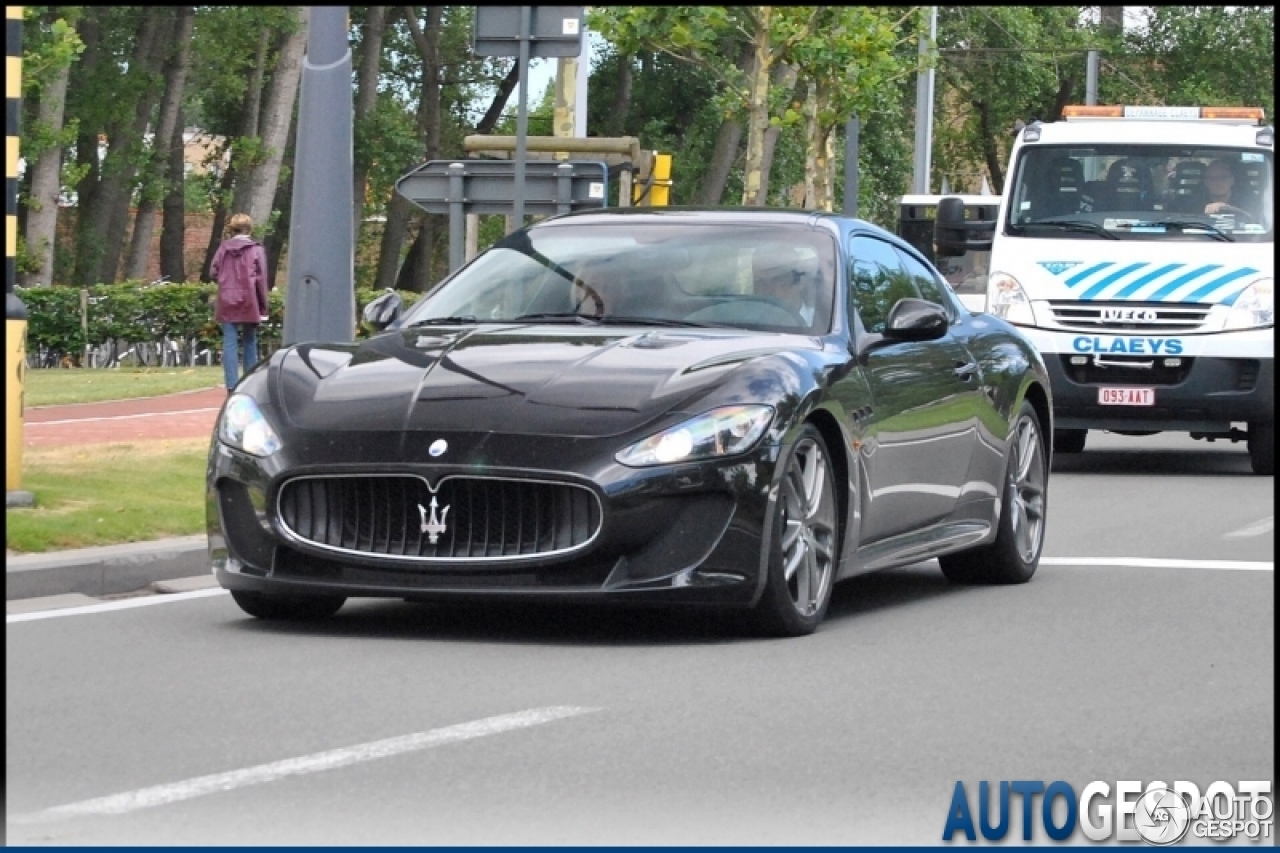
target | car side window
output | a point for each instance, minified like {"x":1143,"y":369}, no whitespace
{"x":877,"y":280}
{"x":927,"y":283}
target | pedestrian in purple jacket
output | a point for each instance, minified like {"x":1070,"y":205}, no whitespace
{"x":240,"y":269}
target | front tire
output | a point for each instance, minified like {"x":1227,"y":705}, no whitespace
{"x":1262,"y":448}
{"x":1015,"y":553}
{"x":288,"y":607}
{"x":804,"y":545}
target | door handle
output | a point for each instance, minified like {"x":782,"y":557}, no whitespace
{"x":966,"y":369}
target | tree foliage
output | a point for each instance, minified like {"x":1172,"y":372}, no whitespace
{"x":752,"y":101}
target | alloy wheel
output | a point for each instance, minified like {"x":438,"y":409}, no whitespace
{"x":808,"y":509}
{"x":1029,"y":477}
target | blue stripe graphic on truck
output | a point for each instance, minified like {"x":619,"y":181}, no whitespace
{"x":1108,"y":280}
{"x":1152,"y":282}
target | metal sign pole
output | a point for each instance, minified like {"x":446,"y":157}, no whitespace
{"x":457,"y":211}
{"x":522,"y":117}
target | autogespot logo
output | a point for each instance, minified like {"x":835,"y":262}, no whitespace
{"x":1162,"y":816}
{"x":1158,"y":814}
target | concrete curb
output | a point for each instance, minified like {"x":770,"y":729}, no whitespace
{"x":108,"y":570}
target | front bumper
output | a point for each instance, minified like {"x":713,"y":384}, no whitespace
{"x":690,"y":534}
{"x":1209,"y":390}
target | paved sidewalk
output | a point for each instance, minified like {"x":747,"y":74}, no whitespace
{"x":114,"y":569}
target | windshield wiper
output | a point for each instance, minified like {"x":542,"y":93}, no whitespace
{"x":1071,"y":225}
{"x":567,"y":316}
{"x":1182,"y":225}
{"x":443,"y":321}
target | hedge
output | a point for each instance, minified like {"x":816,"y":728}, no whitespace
{"x":68,"y":320}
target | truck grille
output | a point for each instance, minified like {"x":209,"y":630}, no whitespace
{"x":1129,"y":316}
{"x":474,"y":518}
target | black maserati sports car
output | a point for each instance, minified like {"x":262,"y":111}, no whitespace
{"x":727,"y":408}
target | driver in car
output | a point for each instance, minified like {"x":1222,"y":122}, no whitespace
{"x":787,"y":278}
{"x":1222,"y":197}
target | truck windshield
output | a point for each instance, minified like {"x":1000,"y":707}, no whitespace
{"x":1143,"y":192}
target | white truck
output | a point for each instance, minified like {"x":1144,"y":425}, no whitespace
{"x":1135,"y":246}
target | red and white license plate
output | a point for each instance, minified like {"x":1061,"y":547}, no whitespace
{"x":1127,"y":396}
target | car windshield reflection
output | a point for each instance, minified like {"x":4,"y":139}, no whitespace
{"x":778,"y":278}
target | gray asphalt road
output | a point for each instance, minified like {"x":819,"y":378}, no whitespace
{"x":390,"y":723}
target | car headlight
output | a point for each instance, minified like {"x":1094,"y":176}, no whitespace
{"x":243,"y":426}
{"x":1254,"y":307}
{"x":720,"y":432}
{"x":1006,"y":299}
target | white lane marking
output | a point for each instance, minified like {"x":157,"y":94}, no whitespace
{"x":160,"y":795}
{"x":107,"y":606}
{"x":1152,"y":563}
{"x":1258,"y":528}
{"x":31,"y":424}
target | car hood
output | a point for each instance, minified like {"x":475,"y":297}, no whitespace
{"x":541,"y":380}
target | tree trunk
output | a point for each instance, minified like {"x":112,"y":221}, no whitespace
{"x":173,"y":228}
{"x":783,"y":80}
{"x":277,"y":240}
{"x":723,"y":155}
{"x":88,"y":243}
{"x":415,"y":274}
{"x":754,"y":186}
{"x":109,"y":215}
{"x":46,"y":179}
{"x":257,"y":188}
{"x":990,"y":151}
{"x":494,"y":113}
{"x":375,"y":24}
{"x":219,"y":221}
{"x":170,"y":107}
{"x":620,"y":108}
{"x":252,"y":113}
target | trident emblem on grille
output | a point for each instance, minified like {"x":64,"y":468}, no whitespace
{"x":431,"y":525}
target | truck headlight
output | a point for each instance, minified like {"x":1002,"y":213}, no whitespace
{"x":244,"y":427}
{"x":1254,"y":307}
{"x":720,"y":432}
{"x":1006,"y":299}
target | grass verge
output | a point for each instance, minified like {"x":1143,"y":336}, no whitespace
{"x":56,"y":387}
{"x":106,"y":494}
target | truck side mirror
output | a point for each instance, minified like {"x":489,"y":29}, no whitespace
{"x":953,"y":234}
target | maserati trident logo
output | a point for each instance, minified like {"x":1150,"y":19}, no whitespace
{"x":431,"y":525}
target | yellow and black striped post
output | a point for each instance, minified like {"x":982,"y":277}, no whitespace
{"x":15,"y":313}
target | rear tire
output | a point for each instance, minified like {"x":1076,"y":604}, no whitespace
{"x":804,"y":544}
{"x":1262,"y":448}
{"x":1015,"y":553}
{"x":290,"y":607}
{"x":1069,"y":440}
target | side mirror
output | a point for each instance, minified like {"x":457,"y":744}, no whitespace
{"x":382,"y":311}
{"x":913,"y":319}
{"x":954,"y":234}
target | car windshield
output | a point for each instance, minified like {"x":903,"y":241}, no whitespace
{"x":1147,"y":192}
{"x":778,"y":277}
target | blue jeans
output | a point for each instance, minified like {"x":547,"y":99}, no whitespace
{"x":233,"y":334}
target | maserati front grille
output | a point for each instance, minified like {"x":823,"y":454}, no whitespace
{"x":466,"y":518}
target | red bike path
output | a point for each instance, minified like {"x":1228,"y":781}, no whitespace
{"x":189,"y":414}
